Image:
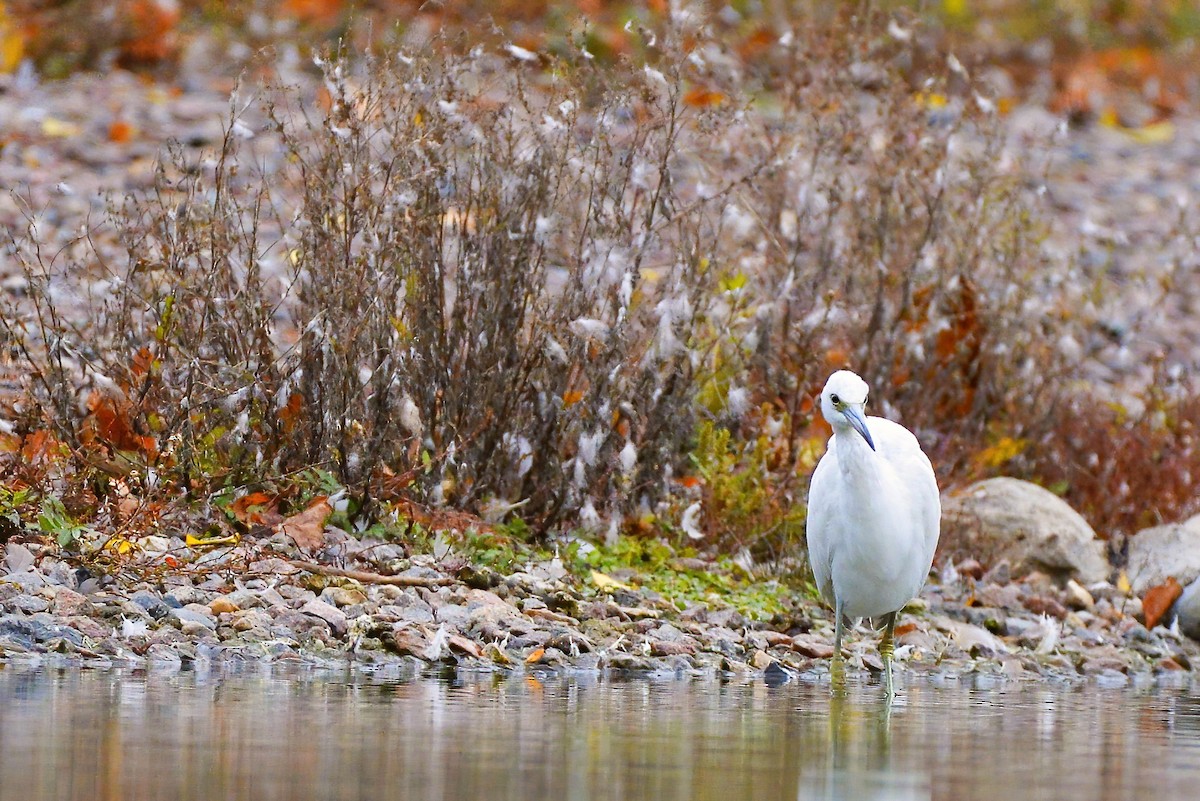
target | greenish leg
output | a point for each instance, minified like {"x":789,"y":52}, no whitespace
{"x":886,"y":646}
{"x":837,"y":669}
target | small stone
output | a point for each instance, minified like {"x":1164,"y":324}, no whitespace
{"x":462,"y":645}
{"x":1007,"y":596}
{"x":190,"y":615}
{"x":777,"y":639}
{"x":88,"y":627}
{"x":153,"y":605}
{"x":248,"y":619}
{"x":222,"y":605}
{"x":496,"y":654}
{"x":761,"y":660}
{"x":812,"y":647}
{"x":30,"y":603}
{"x":667,"y":633}
{"x":670,"y":648}
{"x":970,"y":568}
{"x":342,"y":596}
{"x":1169,"y":664}
{"x":1078,"y":597}
{"x":298,"y":596}
{"x":409,"y":642}
{"x":68,"y":603}
{"x":187,"y":594}
{"x":1045,"y":605}
{"x":775,"y":674}
{"x":335,"y":617}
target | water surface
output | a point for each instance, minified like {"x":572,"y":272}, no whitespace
{"x":272,"y":734}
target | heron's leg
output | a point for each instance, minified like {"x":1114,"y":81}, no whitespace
{"x":886,"y":646}
{"x":837,"y":669}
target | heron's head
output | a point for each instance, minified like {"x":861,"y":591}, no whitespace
{"x":844,"y":401}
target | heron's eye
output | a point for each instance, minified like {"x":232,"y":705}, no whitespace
{"x":836,"y":400}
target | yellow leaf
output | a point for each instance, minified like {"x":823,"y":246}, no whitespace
{"x":120,"y":545}
{"x":535,"y":656}
{"x":59,"y":129}
{"x":1156,"y":133}
{"x":931,"y":100}
{"x":1004,"y":450}
{"x":1123,"y":583}
{"x":193,"y":541}
{"x":606,"y":582}
{"x":12,"y":42}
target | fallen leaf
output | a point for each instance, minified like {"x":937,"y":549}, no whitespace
{"x":110,"y":420}
{"x":703,"y":97}
{"x":535,"y":656}
{"x":1158,"y":600}
{"x":59,"y":129}
{"x":606,"y":582}
{"x":192,"y":541}
{"x":257,"y":508}
{"x":903,"y":629}
{"x":290,"y":413}
{"x":1156,"y":133}
{"x":307,"y":528}
{"x":121,"y":132}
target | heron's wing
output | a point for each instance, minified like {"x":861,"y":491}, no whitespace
{"x":901,"y":449}
{"x":820,"y":521}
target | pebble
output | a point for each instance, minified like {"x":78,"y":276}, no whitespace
{"x":335,"y":617}
{"x":192,"y":615}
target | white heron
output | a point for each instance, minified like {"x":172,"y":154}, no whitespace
{"x":873,"y":517}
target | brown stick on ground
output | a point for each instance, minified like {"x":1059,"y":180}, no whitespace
{"x":371,"y":578}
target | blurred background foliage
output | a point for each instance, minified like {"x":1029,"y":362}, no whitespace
{"x":941,"y":297}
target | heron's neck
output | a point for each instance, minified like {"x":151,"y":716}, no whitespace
{"x":853,"y":453}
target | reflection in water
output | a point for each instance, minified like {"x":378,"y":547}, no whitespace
{"x":76,"y":734}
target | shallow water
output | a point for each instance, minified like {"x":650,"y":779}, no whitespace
{"x":271,"y":734}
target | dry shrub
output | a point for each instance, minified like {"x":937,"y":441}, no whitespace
{"x":474,"y":281}
{"x":891,"y":234}
{"x":1123,"y":467}
{"x":454,"y":286}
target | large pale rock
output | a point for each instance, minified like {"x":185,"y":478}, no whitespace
{"x":1162,"y":551}
{"x":1031,"y":527}
{"x":1187,"y":609}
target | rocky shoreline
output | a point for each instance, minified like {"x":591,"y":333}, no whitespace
{"x":261,"y":602}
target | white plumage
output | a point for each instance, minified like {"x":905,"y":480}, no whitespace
{"x":873,"y":514}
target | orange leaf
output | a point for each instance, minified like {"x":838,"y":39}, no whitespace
{"x":120,"y":132}
{"x":291,"y":413}
{"x":1158,"y":600}
{"x":572,"y":397}
{"x":307,"y":528}
{"x":314,"y":11}
{"x":39,"y":447}
{"x":703,"y":97}
{"x":143,"y":360}
{"x":904,"y":628}
{"x":535,"y":656}
{"x":257,"y":508}
{"x":109,"y":420}
{"x":152,"y":30}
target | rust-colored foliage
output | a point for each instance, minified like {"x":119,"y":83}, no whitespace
{"x":257,"y":508}
{"x":307,"y":528}
{"x":110,"y":423}
{"x":1123,"y":470}
{"x":1157,"y":601}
